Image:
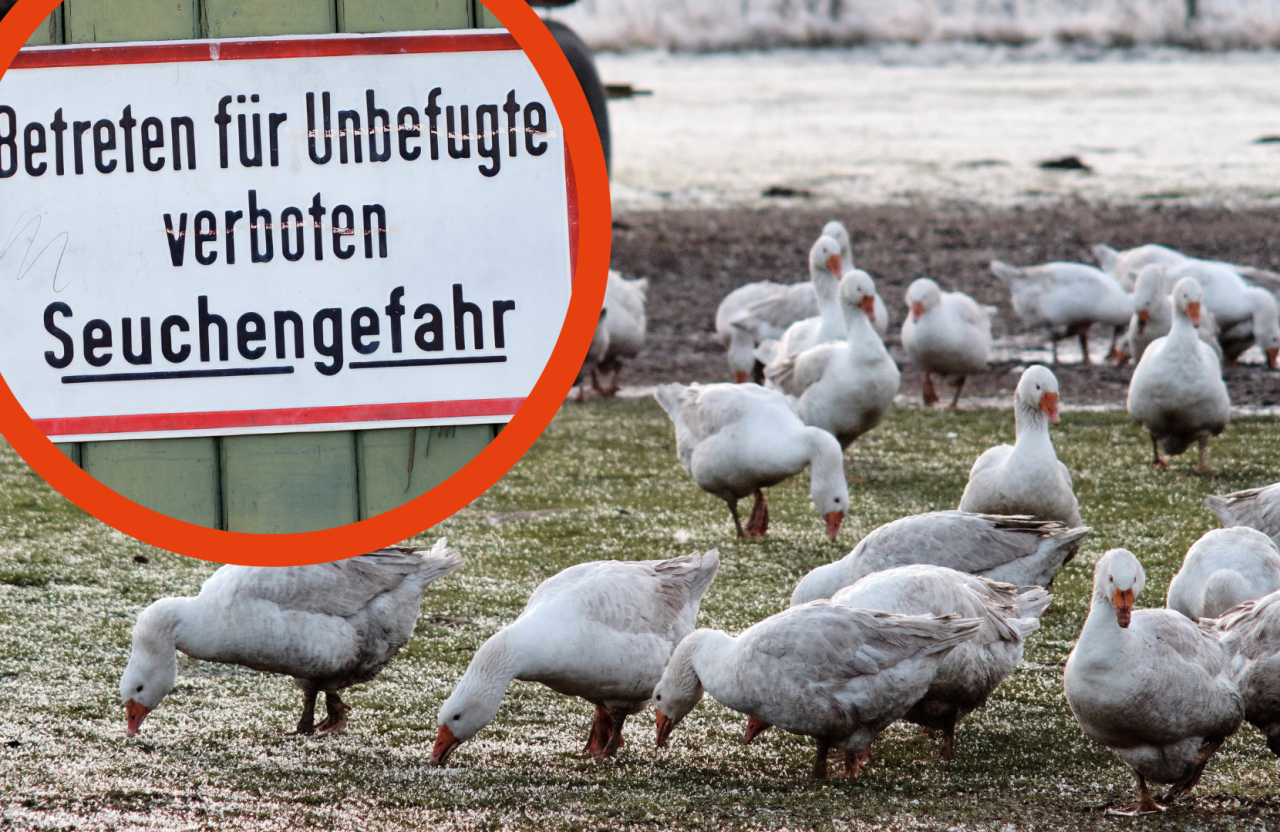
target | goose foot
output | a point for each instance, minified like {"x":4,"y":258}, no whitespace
{"x":948,"y":750}
{"x":955,"y":401}
{"x":757,"y":373}
{"x":929,"y":394}
{"x":820,"y":760}
{"x":740,"y":377}
{"x":1185,"y":785}
{"x":855,"y":762}
{"x":307,"y":724}
{"x":1203,"y":467}
{"x":1156,"y":461}
{"x":737,"y":521}
{"x":758,"y":523}
{"x":615,"y":741}
{"x":1084,"y":346}
{"x":601,"y":728}
{"x":1144,"y":806}
{"x":335,"y":721}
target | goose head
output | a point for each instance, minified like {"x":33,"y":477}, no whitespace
{"x":1149,"y":299}
{"x":153,"y":665}
{"x":836,"y":231}
{"x":1266,"y":324}
{"x":475,"y":701}
{"x":824,"y":265}
{"x":1038,"y":392}
{"x":679,"y":690}
{"x":1187,"y":297}
{"x":922,"y":296}
{"x":858,"y":291}
{"x":827,"y":483}
{"x":1117,"y":580}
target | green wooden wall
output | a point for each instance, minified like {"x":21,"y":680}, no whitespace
{"x":278,"y":482}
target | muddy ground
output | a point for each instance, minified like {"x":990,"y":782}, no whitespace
{"x":694,"y":258}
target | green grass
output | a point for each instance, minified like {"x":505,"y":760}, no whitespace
{"x":217,"y":751}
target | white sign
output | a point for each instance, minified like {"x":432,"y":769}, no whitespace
{"x":270,"y":235}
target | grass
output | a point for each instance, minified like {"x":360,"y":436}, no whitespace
{"x":217,"y":751}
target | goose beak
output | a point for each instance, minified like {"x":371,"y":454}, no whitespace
{"x":1122,"y":600}
{"x":868,"y":305}
{"x":1193,"y":312}
{"x":135,"y":713}
{"x":665,"y":727}
{"x":754,"y":729}
{"x":917,"y":310}
{"x":1049,"y":404}
{"x":1272,"y":355}
{"x":833,"y":523}
{"x":833,"y":263}
{"x":445,"y":743}
{"x":1143,"y":317}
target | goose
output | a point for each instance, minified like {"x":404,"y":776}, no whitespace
{"x":1014,"y":550}
{"x":1026,"y":477}
{"x":1153,"y":315}
{"x":1252,"y":633}
{"x":834,"y":673}
{"x":329,"y":626}
{"x":1068,"y":299}
{"x":595,"y":354}
{"x":1127,"y":266}
{"x":624,"y":301}
{"x":736,"y":439}
{"x":1150,"y":685}
{"x":973,"y":670}
{"x":1222,"y":569}
{"x":602,"y":631}
{"x":1262,"y":328}
{"x":1257,"y":508}
{"x":946,"y":333}
{"x":844,"y":387}
{"x":828,"y":325}
{"x":740,"y":341}
{"x":1225,"y":293}
{"x":1177,"y":392}
{"x":836,"y":231}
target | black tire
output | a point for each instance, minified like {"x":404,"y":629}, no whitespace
{"x":585,"y":68}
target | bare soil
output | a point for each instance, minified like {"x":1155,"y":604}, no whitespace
{"x":694,"y":258}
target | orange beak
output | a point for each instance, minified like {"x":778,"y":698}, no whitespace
{"x":1122,"y":600}
{"x":1272,"y":355}
{"x":445,"y":743}
{"x":917,"y":310}
{"x":754,"y":728}
{"x":665,"y":727}
{"x":833,"y":523}
{"x":1193,"y":312}
{"x":135,"y":713}
{"x":1049,"y":404}
{"x":1143,"y":317}
{"x":833,"y":263}
{"x":869,"y":307}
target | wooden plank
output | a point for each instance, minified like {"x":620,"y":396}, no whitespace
{"x":71,"y":449}
{"x":177,"y":477}
{"x":49,"y":32}
{"x":486,"y":19}
{"x":248,"y":18}
{"x":289,"y":482}
{"x":113,"y":21}
{"x":403,"y":15}
{"x":386,"y":480}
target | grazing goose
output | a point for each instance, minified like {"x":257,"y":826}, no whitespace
{"x":946,"y":333}
{"x":834,"y":673}
{"x":1222,"y":569}
{"x":1127,"y":266}
{"x":624,"y":301}
{"x":836,"y":231}
{"x":1153,"y":315}
{"x":844,"y":387}
{"x":601,"y":631}
{"x":1252,"y":633}
{"x":969,"y":674}
{"x":740,"y":340}
{"x":1257,"y":508}
{"x":829,"y":325}
{"x":1150,"y":685}
{"x":1025,"y":477}
{"x":1262,"y":328}
{"x":1013,"y":550}
{"x":1177,"y":392}
{"x":1067,"y":299}
{"x":329,"y":626}
{"x":736,"y":439}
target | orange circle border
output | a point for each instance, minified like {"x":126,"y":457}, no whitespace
{"x":547,"y":396}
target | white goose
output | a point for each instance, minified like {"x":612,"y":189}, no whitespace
{"x":1257,"y":508}
{"x":1150,"y":685}
{"x":1126,"y":266}
{"x":1252,"y":633}
{"x":1225,"y":567}
{"x":1153,"y":315}
{"x":329,"y":626}
{"x":1263,"y":329}
{"x":844,"y":387}
{"x":624,"y":301}
{"x":973,"y":670}
{"x":1177,"y":392}
{"x":829,"y":325}
{"x":595,"y":354}
{"x":601,"y":631}
{"x":1013,"y":550}
{"x":947,"y":333}
{"x":834,"y":673}
{"x":836,"y":231}
{"x":1067,"y":299}
{"x":1026,"y":477}
{"x":736,"y":439}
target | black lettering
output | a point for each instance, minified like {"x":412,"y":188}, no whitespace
{"x":97,"y":336}
{"x":127,"y":123}
{"x":285,"y":224}
{"x":317,"y":222}
{"x":460,"y":308}
{"x":206,"y":231}
{"x":57,"y":362}
{"x":222,"y":119}
{"x":145,"y":356}
{"x":177,"y":242}
{"x":58,"y":126}
{"x":9,"y":140}
{"x":283,"y":317}
{"x":102,"y":145}
{"x":152,"y":127}
{"x":534,"y":127}
{"x":465,"y":152}
{"x":433,"y":130}
{"x":205,"y":321}
{"x":331,"y":349}
{"x":493,"y":150}
{"x":352,"y":118}
{"x":251,"y":327}
{"x":32,"y":149}
{"x":174,"y":125}
{"x":433,"y":327}
{"x":413,"y":131}
{"x":231,"y":218}
{"x":369,"y":212}
{"x":274,"y":120}
{"x":364,"y":323}
{"x":78,"y":129}
{"x":374,"y":113}
{"x":254,"y":161}
{"x":511,"y":108}
{"x":166,"y":339}
{"x":343,"y":228}
{"x":259,"y":218}
{"x":311,"y":129}
{"x":395,"y":311}
{"x":499,"y":333}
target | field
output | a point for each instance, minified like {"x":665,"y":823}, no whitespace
{"x":603,"y":482}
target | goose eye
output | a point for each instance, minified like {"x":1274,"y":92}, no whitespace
{"x":139,"y":690}
{"x":457,"y":717}
{"x":658,"y":697}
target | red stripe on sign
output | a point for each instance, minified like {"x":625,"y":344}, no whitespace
{"x":248,"y":50}
{"x":147,"y":422}
{"x":571,"y":185}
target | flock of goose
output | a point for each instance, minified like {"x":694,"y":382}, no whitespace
{"x":920,"y":622}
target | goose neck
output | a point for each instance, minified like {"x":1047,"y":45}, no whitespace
{"x":1031,"y":427}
